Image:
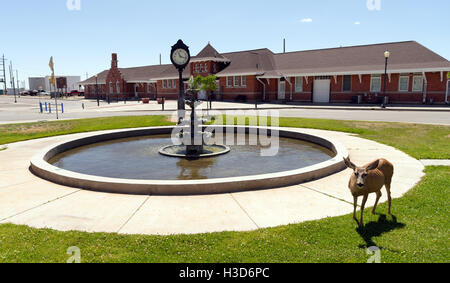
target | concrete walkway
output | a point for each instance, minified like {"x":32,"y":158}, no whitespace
{"x":435,"y":162}
{"x":28,"y":200}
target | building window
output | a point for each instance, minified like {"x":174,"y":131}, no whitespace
{"x":169,"y":84}
{"x":149,"y":88}
{"x":236,"y":81}
{"x":418,"y":84}
{"x":347,"y":83}
{"x":206,"y":68}
{"x":299,"y":84}
{"x":111,"y":90}
{"x":118,"y":87}
{"x":244,"y":81}
{"x":375,"y":83}
{"x":196,"y":68}
{"x":214,"y":68}
{"x":164,"y":83}
{"x":229,"y":81}
{"x":201,"y":68}
{"x":404,"y":83}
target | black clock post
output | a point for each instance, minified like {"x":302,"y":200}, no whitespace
{"x":180,"y":57}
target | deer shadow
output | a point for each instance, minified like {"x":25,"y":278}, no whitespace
{"x":376,"y":229}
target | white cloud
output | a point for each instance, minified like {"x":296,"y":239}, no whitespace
{"x":357,"y":23}
{"x":306,"y":20}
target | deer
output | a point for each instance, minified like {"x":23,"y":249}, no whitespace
{"x":367,"y":180}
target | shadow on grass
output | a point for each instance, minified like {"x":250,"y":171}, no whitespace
{"x":376,"y":229}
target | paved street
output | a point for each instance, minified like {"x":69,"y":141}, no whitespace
{"x":27,"y":110}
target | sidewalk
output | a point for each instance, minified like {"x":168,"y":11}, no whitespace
{"x":171,"y":105}
{"x":433,"y":162}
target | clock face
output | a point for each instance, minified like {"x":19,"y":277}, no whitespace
{"x":180,"y":57}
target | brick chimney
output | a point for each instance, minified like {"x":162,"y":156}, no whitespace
{"x":114,"y":61}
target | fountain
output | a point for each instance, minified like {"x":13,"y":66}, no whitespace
{"x":192,"y":138}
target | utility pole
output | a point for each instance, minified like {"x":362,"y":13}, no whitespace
{"x":4,"y":75}
{"x":11,"y":74}
{"x":17,"y":79}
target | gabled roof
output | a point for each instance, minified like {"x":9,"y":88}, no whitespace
{"x":251,"y":62}
{"x":209,"y":53}
{"x":170,"y":72}
{"x":408,"y":56}
{"x":143,"y":74}
{"x":101,"y":79}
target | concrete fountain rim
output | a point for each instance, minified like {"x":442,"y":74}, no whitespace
{"x":43,"y":169}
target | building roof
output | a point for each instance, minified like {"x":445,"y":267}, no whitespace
{"x":252,"y":62}
{"x":407,"y":56}
{"x":209,"y":53}
{"x":143,"y":74}
{"x":101,"y":79}
{"x":170,"y":72}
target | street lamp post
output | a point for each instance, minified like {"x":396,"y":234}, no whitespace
{"x":387,"y":54}
{"x":96,"y":90}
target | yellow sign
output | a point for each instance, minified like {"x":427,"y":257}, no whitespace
{"x":52,"y":80}
{"x":448,"y":75}
{"x":51,"y":64}
{"x":52,"y":67}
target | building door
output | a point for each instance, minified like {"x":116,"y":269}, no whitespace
{"x":321,"y":90}
{"x":447,"y":96}
{"x":282,"y":90}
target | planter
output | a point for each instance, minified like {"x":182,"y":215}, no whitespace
{"x":146,"y":100}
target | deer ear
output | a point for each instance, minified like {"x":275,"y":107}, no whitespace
{"x":373,"y":165}
{"x":349,"y":163}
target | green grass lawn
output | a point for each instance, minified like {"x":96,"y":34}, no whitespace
{"x":418,"y":232}
{"x":22,"y":132}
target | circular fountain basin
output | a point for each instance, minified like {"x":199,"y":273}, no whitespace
{"x":128,"y":161}
{"x":180,"y":151}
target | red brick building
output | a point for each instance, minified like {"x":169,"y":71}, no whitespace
{"x":337,"y":75}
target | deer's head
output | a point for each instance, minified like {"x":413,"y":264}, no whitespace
{"x":361,"y":173}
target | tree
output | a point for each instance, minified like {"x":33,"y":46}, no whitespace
{"x":207,"y":84}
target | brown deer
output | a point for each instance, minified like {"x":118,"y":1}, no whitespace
{"x":370,"y":179}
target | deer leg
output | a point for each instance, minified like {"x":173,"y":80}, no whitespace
{"x":355,"y":201}
{"x":379,"y":194}
{"x":363,"y":205}
{"x":388,"y":188}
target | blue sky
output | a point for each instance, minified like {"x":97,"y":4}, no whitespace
{"x":138,"y":30}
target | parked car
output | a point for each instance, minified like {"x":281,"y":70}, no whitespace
{"x":76,"y":93}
